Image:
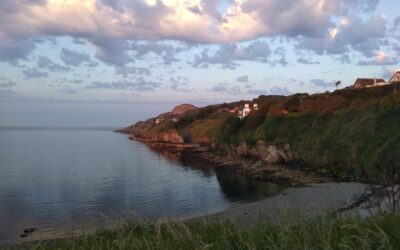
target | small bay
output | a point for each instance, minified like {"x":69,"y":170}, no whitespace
{"x":55,"y":176}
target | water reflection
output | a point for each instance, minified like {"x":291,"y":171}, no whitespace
{"x":235,"y":187}
{"x":50,"y":178}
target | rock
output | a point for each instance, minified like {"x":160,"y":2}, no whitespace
{"x":273,"y":154}
{"x":170,"y":137}
{"x":29,"y":230}
{"x":23,"y":235}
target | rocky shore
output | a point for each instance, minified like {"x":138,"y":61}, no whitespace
{"x":277,"y":172}
{"x":268,"y":163}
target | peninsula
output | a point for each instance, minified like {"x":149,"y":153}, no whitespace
{"x":349,"y":134}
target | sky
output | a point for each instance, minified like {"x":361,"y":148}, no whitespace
{"x":114,"y":62}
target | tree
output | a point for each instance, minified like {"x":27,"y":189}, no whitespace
{"x":338,"y":83}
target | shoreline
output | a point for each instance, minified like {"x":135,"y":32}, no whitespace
{"x":326,"y":199}
{"x":307,"y":197}
{"x":299,"y":202}
{"x":203,"y":156}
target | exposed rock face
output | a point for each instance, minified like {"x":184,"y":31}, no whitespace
{"x":269,"y":154}
{"x":272,"y":154}
{"x":183,"y":108}
{"x":170,"y":137}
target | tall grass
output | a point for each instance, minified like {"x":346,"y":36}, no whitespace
{"x":378,"y":232}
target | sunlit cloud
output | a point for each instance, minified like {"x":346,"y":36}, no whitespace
{"x":333,"y":33}
{"x":187,"y":20}
{"x":142,"y":46}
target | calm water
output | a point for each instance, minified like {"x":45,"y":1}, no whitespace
{"x":51,"y":177}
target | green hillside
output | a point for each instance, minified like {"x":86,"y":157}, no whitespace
{"x":350,"y":132}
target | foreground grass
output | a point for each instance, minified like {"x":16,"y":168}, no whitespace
{"x":378,"y":232}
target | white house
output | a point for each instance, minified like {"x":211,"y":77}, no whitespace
{"x":395,"y":77}
{"x":159,"y":120}
{"x":245,"y":111}
{"x":368,"y":82}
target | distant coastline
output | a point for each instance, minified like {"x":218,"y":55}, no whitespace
{"x":57,"y":128}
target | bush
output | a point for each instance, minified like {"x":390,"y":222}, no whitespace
{"x":292,"y":105}
{"x":389,"y":101}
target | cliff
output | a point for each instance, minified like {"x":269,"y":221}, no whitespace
{"x":350,"y":133}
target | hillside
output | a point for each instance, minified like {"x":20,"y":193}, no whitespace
{"x":351,"y":133}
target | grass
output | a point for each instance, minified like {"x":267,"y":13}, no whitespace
{"x":378,"y":232}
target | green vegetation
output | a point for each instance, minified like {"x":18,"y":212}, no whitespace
{"x":351,"y":133}
{"x":378,"y":232}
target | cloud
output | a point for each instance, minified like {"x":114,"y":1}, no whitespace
{"x":271,"y":91}
{"x":381,"y":58}
{"x":126,"y":71}
{"x":322,"y":83}
{"x":307,"y":61}
{"x":69,"y":91}
{"x":33,"y":73}
{"x":14,"y":50}
{"x":167,"y":52}
{"x":46,"y":63}
{"x":6,"y":92}
{"x":228,"y":55}
{"x":243,"y":79}
{"x":6,"y":83}
{"x":75,"y":58}
{"x":279,"y":91}
{"x":140,"y":85}
{"x":114,"y":52}
{"x":180,"y":84}
{"x":6,"y":86}
{"x":126,"y":31}
{"x":191,"y":21}
{"x":353,"y":33}
{"x":281,"y":53}
{"x":395,"y":29}
{"x":224,"y":88}
{"x":124,"y":54}
{"x":219,"y":87}
{"x":257,"y":92}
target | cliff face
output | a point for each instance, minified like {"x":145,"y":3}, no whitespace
{"x":350,"y":132}
{"x":170,"y":137}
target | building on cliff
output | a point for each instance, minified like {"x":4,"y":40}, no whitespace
{"x":368,"y":82}
{"x":395,"y":78}
{"x":245,"y":111}
{"x":159,"y":120}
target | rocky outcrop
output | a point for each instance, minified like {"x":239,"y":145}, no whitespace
{"x":170,"y":137}
{"x":268,"y":154}
{"x":181,"y":109}
{"x":264,"y":162}
{"x":272,"y":154}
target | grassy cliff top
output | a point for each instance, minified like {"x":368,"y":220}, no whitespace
{"x":349,"y":131}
